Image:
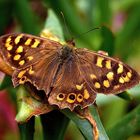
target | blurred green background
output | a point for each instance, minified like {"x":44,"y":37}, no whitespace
{"x":119,"y":36}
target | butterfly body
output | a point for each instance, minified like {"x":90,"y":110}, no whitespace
{"x":68,"y":75}
{"x":66,"y":53}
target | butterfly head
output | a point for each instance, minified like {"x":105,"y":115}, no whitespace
{"x":71,"y":43}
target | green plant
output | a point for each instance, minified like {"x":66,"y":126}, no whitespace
{"x":103,"y":39}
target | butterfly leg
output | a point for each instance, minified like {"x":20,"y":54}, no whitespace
{"x":85,"y":114}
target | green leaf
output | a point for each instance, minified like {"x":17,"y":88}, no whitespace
{"x":6,"y":83}
{"x":28,"y":20}
{"x":27,"y":130}
{"x":28,"y":106}
{"x":107,"y":40}
{"x":74,"y":22}
{"x":105,"y":11}
{"x":85,"y":126}
{"x":127,"y":126}
{"x":124,"y":38}
{"x":54,"y":125}
{"x":6,"y":11}
{"x":53,"y":25}
{"x":125,"y":95}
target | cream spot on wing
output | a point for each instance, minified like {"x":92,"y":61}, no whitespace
{"x":79,"y":87}
{"x":99,"y":61}
{"x":9,"y":55}
{"x":121,"y":80}
{"x":30,"y":58}
{"x":9,"y":47}
{"x":106,"y":83}
{"x":110,"y":75}
{"x":126,"y":78}
{"x":22,"y":62}
{"x":116,"y":87}
{"x":17,"y":57}
{"x":86,"y":94}
{"x":36,"y":43}
{"x":93,"y":76}
{"x":7,"y":44}
{"x":19,"y":49}
{"x":108,"y":64}
{"x":129,"y":74}
{"x":120,"y":69}
{"x":31,"y":71}
{"x":97,"y":85}
{"x":28,"y":41}
{"x":17,"y":39}
{"x":21,"y":73}
{"x":8,"y":39}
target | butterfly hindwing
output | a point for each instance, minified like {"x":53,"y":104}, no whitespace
{"x":70,"y":88}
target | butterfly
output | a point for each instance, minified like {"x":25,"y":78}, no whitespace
{"x":69,"y":76}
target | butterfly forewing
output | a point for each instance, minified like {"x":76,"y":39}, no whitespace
{"x":21,"y":50}
{"x":40,"y":74}
{"x":105,"y":74}
{"x":33,"y":58}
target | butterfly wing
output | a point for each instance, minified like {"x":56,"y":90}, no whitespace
{"x":22,"y":50}
{"x":34,"y":59}
{"x":89,"y":73}
{"x":70,"y":88}
{"x":105,"y":74}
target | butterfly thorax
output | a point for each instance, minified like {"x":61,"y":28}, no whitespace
{"x":66,"y":53}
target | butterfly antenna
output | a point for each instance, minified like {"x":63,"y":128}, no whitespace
{"x":77,"y":36}
{"x":66,"y":27}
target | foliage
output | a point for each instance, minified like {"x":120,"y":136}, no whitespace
{"x":119,"y":36}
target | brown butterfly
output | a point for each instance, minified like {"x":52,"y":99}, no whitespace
{"x":69,"y":76}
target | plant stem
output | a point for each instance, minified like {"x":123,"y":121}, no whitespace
{"x":27,"y":130}
{"x":54,"y":125}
